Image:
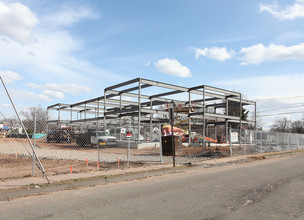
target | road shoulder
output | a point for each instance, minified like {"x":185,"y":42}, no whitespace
{"x":12,"y":189}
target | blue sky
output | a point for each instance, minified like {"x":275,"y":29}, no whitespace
{"x":67,"y":51}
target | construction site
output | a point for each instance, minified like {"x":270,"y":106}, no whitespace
{"x":202,"y":114}
{"x":136,"y":123}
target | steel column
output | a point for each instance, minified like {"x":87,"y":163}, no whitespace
{"x":104,"y":109}
{"x":139,"y":107}
{"x":151,"y":121}
{"x":189,"y":117}
{"x":204,"y":122}
{"x":85,"y":111}
{"x":255,"y":116}
{"x":97,"y":121}
{"x":58,"y":117}
{"x":241,"y":111}
{"x":120,"y":107}
{"x":227,"y":124}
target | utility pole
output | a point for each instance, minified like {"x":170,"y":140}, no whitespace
{"x":171,"y":115}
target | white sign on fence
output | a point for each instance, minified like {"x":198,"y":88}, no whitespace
{"x":251,"y":138}
{"x":234,"y":137}
{"x":123,"y":131}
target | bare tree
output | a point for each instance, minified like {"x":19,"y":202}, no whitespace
{"x":297,"y":127}
{"x":281,"y":125}
{"x":41,"y":119}
{"x":259,"y":121}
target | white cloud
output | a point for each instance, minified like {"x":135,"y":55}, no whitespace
{"x":46,"y":95}
{"x":42,"y":97}
{"x":288,"y":13}
{"x":21,"y":95}
{"x":48,"y":53}
{"x":215,"y":53}
{"x":172,"y":67}
{"x":147,"y":64}
{"x":17,"y":21}
{"x":259,"y":53}
{"x":51,"y":53}
{"x":54,"y":94}
{"x":68,"y":88}
{"x":9,"y":77}
{"x":254,"y":54}
{"x":69,"y":15}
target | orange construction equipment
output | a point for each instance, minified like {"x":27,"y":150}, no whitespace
{"x":210,"y":139}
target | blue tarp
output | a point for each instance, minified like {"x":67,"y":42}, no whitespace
{"x":5,"y":127}
{"x":37,"y":136}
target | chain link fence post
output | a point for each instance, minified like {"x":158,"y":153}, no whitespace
{"x":230,"y":142}
{"x":34,"y":144}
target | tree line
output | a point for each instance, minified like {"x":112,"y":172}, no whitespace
{"x":286,"y":125}
{"x":28,"y":119}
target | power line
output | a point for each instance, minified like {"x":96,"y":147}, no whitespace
{"x":295,"y":106}
{"x":286,"y":113}
{"x":289,"y":97}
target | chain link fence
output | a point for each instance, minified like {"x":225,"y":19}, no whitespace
{"x":251,"y":141}
{"x":70,"y":147}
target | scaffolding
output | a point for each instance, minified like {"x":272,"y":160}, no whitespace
{"x":140,"y":100}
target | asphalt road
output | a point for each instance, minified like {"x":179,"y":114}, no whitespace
{"x":268,"y":189}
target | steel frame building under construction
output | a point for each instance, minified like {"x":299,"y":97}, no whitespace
{"x":146,"y":101}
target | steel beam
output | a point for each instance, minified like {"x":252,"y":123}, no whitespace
{"x":165,"y":94}
{"x":164,"y":85}
{"x":122,"y":84}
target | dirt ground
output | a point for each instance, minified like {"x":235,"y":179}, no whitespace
{"x":17,"y":166}
{"x":13,"y":166}
{"x":74,"y":146}
{"x":113,"y":150}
